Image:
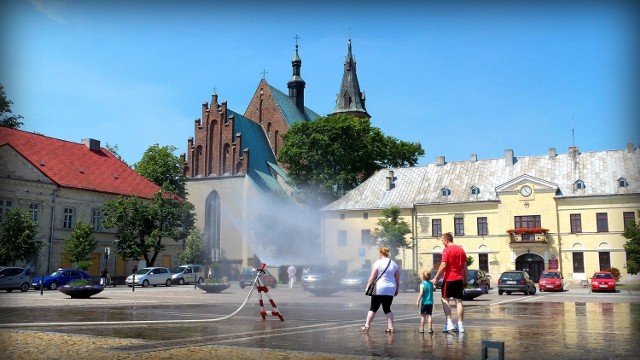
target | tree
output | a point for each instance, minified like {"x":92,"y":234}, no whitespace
{"x":115,"y":151}
{"x":632,"y":246}
{"x":194,"y":250}
{"x":392,"y":231}
{"x":470,"y":260}
{"x":79,"y":246}
{"x":329,"y":156}
{"x":18,"y":237}
{"x":6,"y":119}
{"x":162,"y":167}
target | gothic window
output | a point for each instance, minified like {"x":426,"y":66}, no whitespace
{"x":226,"y":162}
{"x":212,"y":225}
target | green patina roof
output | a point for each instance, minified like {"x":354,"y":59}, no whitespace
{"x":289,"y":109}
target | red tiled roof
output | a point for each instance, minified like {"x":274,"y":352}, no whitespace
{"x":74,"y":165}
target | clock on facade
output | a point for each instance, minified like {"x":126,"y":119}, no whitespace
{"x":526,"y":190}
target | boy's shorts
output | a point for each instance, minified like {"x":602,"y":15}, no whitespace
{"x":426,"y":309}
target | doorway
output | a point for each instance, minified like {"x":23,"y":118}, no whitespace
{"x":531,"y":263}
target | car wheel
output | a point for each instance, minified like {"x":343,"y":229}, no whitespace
{"x":508,"y":292}
{"x":533,"y":292}
{"x":485,"y":288}
{"x":167,"y":283}
{"x":500,"y":292}
{"x":24,"y":287}
{"x":53,"y":286}
{"x":145,"y":283}
{"x":181,"y":281}
{"x":200,"y":280}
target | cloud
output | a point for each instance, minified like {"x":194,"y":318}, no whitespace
{"x":48,"y":9}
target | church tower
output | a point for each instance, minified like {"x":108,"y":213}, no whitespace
{"x":296,"y":84}
{"x":350,"y":100}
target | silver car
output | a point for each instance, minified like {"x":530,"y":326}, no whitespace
{"x":14,"y":278}
{"x":150,"y":276}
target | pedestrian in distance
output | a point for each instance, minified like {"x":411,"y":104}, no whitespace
{"x":386,"y":277}
{"x":425,"y":302}
{"x":292,"y":275}
{"x":454,"y":281}
{"x":104,"y":277}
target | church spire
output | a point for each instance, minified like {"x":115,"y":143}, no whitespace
{"x":296,"y":84}
{"x":350,"y":100}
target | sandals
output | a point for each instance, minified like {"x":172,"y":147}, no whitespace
{"x":365,"y":329}
{"x":389,"y":331}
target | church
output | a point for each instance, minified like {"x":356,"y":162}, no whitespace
{"x":236,"y":184}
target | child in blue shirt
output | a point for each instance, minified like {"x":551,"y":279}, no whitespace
{"x":425,"y":302}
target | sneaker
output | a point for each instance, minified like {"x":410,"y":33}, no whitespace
{"x":421,"y":330}
{"x":430,"y":331}
{"x":460,"y":329}
{"x":453,"y":329}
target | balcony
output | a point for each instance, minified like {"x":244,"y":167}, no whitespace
{"x":528,"y":235}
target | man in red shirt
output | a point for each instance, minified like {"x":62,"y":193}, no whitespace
{"x":454,"y":281}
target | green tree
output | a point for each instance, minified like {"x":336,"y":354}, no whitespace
{"x":79,"y":246}
{"x":162,"y":167}
{"x":392,"y":230}
{"x":632,"y":246}
{"x":18,"y":237}
{"x":194,"y":250}
{"x":6,"y":117}
{"x":115,"y":151}
{"x":470,"y":260}
{"x":329,"y":156}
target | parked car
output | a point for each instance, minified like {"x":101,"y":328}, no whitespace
{"x":248,"y":275}
{"x":603,"y":281}
{"x":478,"y":279}
{"x":15,"y":278}
{"x":409,"y":279}
{"x":356,"y":280}
{"x":551,"y":281}
{"x":188,"y":274}
{"x":439,"y":282}
{"x":322,"y":280}
{"x":150,"y":276}
{"x":58,"y":278}
{"x":516,"y":281}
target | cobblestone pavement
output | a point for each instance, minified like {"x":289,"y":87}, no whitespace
{"x":180,"y":321}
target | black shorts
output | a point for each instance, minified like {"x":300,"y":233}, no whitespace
{"x":426,"y":309}
{"x":452,"y":289}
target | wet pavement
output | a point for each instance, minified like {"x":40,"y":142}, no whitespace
{"x":574,"y":324}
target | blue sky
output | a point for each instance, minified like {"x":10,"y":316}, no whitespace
{"x":460,"y":78}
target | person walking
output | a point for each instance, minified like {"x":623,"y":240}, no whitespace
{"x":104,"y":277}
{"x":386,"y":277}
{"x":454,"y":268}
{"x":425,"y":302}
{"x":292,"y":275}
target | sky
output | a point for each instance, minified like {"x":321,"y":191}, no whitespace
{"x":459,"y":77}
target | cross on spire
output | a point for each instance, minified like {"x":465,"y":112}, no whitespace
{"x":264,"y":73}
{"x":296,"y":38}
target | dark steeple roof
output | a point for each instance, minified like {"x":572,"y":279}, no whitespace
{"x":350,"y":100}
{"x":296,"y":84}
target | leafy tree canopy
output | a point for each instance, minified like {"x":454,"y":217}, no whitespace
{"x":194,"y":249}
{"x":162,"y":167}
{"x":6,"y":117}
{"x":18,"y":237}
{"x":79,"y":246}
{"x":329,"y":156}
{"x":632,"y":247}
{"x":392,"y":230}
{"x":115,"y":151}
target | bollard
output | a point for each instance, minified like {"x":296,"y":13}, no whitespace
{"x":133,"y":284}
{"x":42,"y":285}
{"x":498,"y":345}
{"x":195,"y":280}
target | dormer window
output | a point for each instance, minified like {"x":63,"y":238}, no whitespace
{"x":579,"y":184}
{"x":445,"y":192}
{"x":475,"y":190}
{"x":622,"y":182}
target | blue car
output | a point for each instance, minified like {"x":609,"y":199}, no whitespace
{"x":58,"y":278}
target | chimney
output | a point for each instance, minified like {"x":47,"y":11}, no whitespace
{"x":630,"y":147}
{"x":440,"y":160}
{"x":390,"y":180}
{"x":92,"y":144}
{"x":474,"y":158}
{"x":508,"y":157}
{"x":573,"y":151}
{"x":552,"y":152}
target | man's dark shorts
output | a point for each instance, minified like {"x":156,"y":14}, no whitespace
{"x":426,"y":309}
{"x":452,"y":289}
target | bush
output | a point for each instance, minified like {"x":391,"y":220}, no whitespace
{"x":79,"y":283}
{"x":615,"y":272}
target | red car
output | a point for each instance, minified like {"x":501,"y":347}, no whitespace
{"x":603,"y":281}
{"x":551,"y":281}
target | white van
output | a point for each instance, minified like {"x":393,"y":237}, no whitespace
{"x":185,"y":274}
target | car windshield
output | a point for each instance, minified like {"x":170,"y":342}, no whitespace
{"x":57,"y":273}
{"x":603,"y":276}
{"x":179,"y":269}
{"x":143,"y":271}
{"x":550,"y":275}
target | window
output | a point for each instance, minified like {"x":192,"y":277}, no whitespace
{"x":96,"y":219}
{"x":437,"y":259}
{"x":445,"y":192}
{"x":342,"y":238}
{"x":578,"y":262}
{"x":5,"y":205}
{"x":34,"y":209}
{"x":342,"y":216}
{"x":576,"y":223}
{"x":67,"y":219}
{"x":483,"y":260}
{"x":458,"y":226}
{"x":475,"y":190}
{"x":579,"y":184}
{"x":604,"y":258}
{"x":628,"y":218}
{"x":602,"y":222}
{"x":365,"y":215}
{"x":528,"y":222}
{"x":436,"y":227}
{"x":622,"y":182}
{"x":365,"y":237}
{"x":483,"y":227}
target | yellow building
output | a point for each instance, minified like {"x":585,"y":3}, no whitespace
{"x":555,"y":211}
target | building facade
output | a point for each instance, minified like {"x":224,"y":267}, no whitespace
{"x":555,"y":211}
